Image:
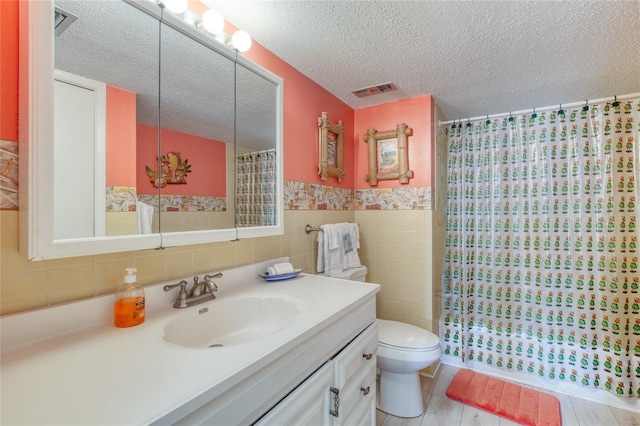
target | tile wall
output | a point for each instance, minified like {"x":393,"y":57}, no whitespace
{"x":395,"y":246}
{"x":31,"y":285}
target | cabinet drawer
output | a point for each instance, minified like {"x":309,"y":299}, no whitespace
{"x":365,"y":412}
{"x":359,"y":387}
{"x":357,"y":356}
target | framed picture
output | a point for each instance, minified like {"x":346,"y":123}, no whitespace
{"x":331,"y":143}
{"x":388,"y":155}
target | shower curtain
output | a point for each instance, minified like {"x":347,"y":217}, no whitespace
{"x":256,"y":188}
{"x":541,"y":259}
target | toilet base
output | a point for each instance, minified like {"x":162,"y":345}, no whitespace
{"x":400,"y":394}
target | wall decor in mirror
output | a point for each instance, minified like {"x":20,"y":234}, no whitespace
{"x":130,"y":121}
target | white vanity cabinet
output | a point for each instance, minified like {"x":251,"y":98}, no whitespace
{"x":341,"y":392}
{"x":283,"y":378}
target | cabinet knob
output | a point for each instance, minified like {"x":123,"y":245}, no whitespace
{"x":367,"y":356}
{"x":365,"y":391}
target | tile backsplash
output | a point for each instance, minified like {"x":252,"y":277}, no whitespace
{"x":395,"y":246}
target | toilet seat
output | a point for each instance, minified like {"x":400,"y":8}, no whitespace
{"x":406,"y":337}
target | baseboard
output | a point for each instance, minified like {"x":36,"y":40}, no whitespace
{"x":435,"y":371}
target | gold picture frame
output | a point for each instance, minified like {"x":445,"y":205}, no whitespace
{"x":388,"y":154}
{"x":331,"y":148}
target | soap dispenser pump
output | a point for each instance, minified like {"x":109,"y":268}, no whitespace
{"x":129,"y":305}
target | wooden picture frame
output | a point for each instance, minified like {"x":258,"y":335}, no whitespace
{"x":331,"y":148}
{"x":388,"y":155}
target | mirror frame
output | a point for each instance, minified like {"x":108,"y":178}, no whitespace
{"x":36,"y":47}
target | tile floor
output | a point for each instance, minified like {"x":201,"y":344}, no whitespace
{"x":442,"y":411}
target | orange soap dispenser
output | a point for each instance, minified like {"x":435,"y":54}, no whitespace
{"x":129,"y":306}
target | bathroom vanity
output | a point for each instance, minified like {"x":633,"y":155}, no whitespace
{"x":312,"y":360}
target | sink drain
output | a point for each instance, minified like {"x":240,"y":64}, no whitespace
{"x":216,"y":345}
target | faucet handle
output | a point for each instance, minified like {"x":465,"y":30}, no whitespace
{"x":181,"y":301}
{"x":212,"y":286}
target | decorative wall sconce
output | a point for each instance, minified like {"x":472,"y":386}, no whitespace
{"x":331,"y":143}
{"x":211,"y":22}
{"x":388,"y":155}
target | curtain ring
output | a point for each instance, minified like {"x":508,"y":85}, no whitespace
{"x":615,"y":101}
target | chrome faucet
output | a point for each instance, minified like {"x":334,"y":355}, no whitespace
{"x":202,"y":291}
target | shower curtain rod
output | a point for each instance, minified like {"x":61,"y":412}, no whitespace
{"x":264,"y":151}
{"x":524,"y":111}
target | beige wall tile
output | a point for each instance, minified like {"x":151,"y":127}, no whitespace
{"x":12,"y":261}
{"x":204,"y":258}
{"x":394,"y":245}
{"x":71,"y":283}
{"x":109,"y":275}
{"x":394,"y":248}
{"x":24,"y":291}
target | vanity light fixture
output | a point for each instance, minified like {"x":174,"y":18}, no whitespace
{"x":241,"y":41}
{"x":212,"y":22}
{"x":175,"y":6}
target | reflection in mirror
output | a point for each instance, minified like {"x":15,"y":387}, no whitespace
{"x":112,"y":50}
{"x":116,"y":45}
{"x":256,"y":154}
{"x":196,"y":116}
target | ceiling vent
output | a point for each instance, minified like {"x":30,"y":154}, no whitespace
{"x":62,"y":19}
{"x":374,"y":90}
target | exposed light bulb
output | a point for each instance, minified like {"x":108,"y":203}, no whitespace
{"x":241,"y":41}
{"x":176,"y":6}
{"x":212,"y":21}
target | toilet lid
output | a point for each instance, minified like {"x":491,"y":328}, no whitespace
{"x":402,"y":335}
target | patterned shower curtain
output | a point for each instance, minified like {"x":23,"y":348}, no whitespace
{"x":541,"y":262}
{"x":256,"y":188}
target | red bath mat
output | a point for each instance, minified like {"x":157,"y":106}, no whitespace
{"x":519,"y":404}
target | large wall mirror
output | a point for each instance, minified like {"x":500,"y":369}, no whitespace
{"x":139,"y":131}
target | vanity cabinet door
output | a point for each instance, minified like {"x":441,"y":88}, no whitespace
{"x":308,"y":404}
{"x":355,"y":377}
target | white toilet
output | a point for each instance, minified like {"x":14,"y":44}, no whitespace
{"x":403,"y":350}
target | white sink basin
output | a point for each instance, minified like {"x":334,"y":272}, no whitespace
{"x":227,"y":322}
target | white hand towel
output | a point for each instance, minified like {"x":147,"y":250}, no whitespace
{"x":145,"y":217}
{"x":320,"y":262}
{"x":332,"y":249}
{"x":331,"y":235}
{"x":350,"y":238}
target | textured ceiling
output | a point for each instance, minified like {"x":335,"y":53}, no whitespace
{"x":475,"y":57}
{"x":189,"y":85}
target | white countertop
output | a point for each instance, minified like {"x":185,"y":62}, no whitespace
{"x":100,"y":374}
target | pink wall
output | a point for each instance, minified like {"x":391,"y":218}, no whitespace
{"x":417,"y":113}
{"x":121,"y":137}
{"x":9,"y":73}
{"x":207,"y":158}
{"x":304,"y":102}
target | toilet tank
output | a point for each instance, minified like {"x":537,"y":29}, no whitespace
{"x":354,"y":274}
